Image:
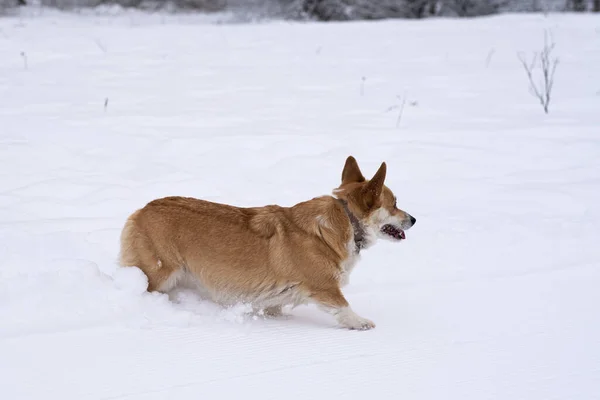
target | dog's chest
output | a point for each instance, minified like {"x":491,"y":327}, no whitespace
{"x":348,"y":264}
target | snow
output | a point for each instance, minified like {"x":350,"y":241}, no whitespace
{"x":494,"y":294}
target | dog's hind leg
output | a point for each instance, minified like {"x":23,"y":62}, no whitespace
{"x":137,"y":251}
{"x":273,"y":311}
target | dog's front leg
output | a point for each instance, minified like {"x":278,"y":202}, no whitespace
{"x":332,"y":301}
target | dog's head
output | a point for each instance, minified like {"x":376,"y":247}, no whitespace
{"x":373,"y":203}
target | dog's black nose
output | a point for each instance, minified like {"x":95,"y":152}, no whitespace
{"x":413,"y":220}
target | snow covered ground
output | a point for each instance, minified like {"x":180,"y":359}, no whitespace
{"x":494,"y":294}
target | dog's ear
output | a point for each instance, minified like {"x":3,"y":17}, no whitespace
{"x":351,"y":172}
{"x":373,"y":189}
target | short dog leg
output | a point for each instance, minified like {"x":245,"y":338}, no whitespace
{"x":333,"y":302}
{"x":273,"y":312}
{"x":268,"y":312}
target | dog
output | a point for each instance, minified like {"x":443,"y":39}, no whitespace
{"x":269,"y":256}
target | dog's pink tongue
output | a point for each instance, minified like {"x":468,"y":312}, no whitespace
{"x":402,"y":235}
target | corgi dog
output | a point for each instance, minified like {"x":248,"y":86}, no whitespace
{"x":269,"y":256}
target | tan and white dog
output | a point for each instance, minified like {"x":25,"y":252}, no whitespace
{"x":267,"y":256}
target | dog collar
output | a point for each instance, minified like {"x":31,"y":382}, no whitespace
{"x":357,"y":228}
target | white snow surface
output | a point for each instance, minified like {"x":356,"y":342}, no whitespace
{"x":494,"y":294}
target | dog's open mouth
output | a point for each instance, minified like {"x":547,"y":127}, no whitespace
{"x":394,"y":232}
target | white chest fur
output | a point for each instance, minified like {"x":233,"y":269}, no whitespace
{"x":349,"y":263}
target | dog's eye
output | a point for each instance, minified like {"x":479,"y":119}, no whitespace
{"x":395,"y":201}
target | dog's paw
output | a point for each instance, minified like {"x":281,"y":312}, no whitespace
{"x":361,"y":324}
{"x":350,"y":320}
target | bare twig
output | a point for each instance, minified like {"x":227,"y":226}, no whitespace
{"x":401,"y":110}
{"x":100,"y":45}
{"x":488,"y":59}
{"x":547,"y":63}
{"x":24,"y":56}
{"x":362,"y":85}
